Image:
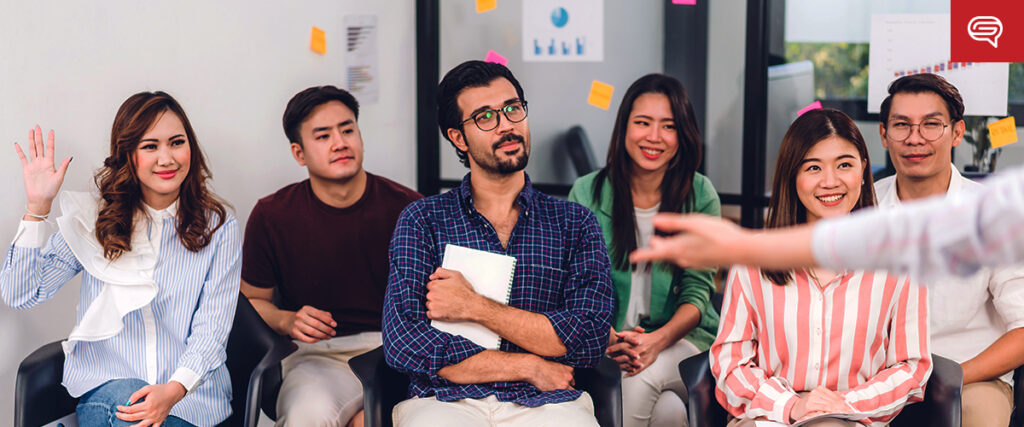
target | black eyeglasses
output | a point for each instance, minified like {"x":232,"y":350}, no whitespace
{"x":489,"y":119}
{"x":930,"y":130}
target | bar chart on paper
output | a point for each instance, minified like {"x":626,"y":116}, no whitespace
{"x":909,"y":44}
{"x":361,"y":58}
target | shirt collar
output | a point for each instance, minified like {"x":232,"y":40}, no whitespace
{"x":158,"y":215}
{"x":525,"y":198}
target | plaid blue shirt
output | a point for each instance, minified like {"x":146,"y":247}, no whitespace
{"x":562,"y":271}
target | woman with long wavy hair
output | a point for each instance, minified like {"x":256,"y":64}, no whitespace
{"x":663,"y":314}
{"x":160,"y":261}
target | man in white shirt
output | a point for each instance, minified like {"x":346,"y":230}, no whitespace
{"x":978,"y":319}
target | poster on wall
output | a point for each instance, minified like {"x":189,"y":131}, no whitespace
{"x":361,"y":74}
{"x":563,"y":31}
{"x":908,"y":44}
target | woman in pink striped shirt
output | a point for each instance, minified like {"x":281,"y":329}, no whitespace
{"x":843,"y":347}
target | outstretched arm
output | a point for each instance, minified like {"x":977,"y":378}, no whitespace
{"x":706,"y":241}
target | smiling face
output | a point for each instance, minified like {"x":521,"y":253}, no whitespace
{"x":502,"y":150}
{"x":651,"y":138}
{"x":332,"y":147}
{"x":162,"y":160}
{"x":829,"y":180}
{"x":915,"y":158}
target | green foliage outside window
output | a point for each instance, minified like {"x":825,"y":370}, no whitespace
{"x":841,"y":70}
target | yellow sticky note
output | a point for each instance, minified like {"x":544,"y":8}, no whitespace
{"x":600,"y":95}
{"x":485,"y":5}
{"x":1003,"y":132}
{"x":318,"y":41}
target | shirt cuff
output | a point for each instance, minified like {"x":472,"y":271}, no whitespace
{"x":31,"y":234}
{"x":823,"y":244}
{"x":187,"y":378}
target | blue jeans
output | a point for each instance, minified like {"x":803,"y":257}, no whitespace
{"x":98,"y":406}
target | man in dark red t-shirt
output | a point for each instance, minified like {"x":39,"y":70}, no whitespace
{"x":322,"y":246}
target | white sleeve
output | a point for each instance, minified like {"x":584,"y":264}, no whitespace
{"x":932,"y":238}
{"x":31,"y":234}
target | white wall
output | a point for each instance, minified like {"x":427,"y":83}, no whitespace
{"x":726,"y":61}
{"x":232,"y":64}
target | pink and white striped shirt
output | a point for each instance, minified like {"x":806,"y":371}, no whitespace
{"x":864,"y":334}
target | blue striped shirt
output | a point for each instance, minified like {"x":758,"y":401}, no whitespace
{"x":189,"y":319}
{"x":562,"y":271}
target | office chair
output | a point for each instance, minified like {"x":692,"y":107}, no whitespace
{"x":254,"y":356}
{"x":580,"y":153}
{"x":1017,"y":417}
{"x":384,"y":387}
{"x":940,"y":408}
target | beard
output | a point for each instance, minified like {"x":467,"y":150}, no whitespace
{"x":491,"y":161}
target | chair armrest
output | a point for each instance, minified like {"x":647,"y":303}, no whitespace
{"x":265,"y":382}
{"x":604,"y":384}
{"x":39,"y":397}
{"x":941,"y":405}
{"x":383,"y":387}
{"x":702,"y":408}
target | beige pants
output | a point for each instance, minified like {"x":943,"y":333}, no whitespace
{"x":987,"y":403}
{"x":656,"y":396}
{"x":429,"y":412}
{"x":319,"y":388}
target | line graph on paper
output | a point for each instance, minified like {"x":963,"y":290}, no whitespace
{"x":909,"y":44}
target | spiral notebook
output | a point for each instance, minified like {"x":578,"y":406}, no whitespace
{"x":491,"y":275}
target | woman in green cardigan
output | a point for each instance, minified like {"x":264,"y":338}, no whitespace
{"x":662,"y":314}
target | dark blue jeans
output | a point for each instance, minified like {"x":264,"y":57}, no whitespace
{"x":98,"y":406}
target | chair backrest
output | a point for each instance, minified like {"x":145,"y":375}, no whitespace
{"x":580,"y":153}
{"x":702,"y":409}
{"x":250,"y":340}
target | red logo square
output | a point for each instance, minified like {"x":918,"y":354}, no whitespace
{"x":987,"y":30}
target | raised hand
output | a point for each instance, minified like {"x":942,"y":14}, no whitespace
{"x":42,"y":179}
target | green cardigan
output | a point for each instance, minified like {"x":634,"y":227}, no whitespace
{"x":670,"y":287}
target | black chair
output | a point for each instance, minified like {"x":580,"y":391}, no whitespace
{"x":940,"y":408}
{"x":254,"y":363}
{"x":1017,"y":417}
{"x":384,"y":387}
{"x":580,"y":153}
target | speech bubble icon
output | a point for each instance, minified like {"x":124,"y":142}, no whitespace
{"x":985,"y":29}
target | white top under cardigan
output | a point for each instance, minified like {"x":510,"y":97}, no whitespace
{"x":158,"y":313}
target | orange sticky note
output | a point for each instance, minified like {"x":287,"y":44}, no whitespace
{"x":600,"y":95}
{"x":485,"y":5}
{"x":318,"y":41}
{"x":1003,"y":132}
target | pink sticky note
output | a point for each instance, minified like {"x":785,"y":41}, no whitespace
{"x":816,"y":105}
{"x":496,"y":58}
{"x":686,"y":2}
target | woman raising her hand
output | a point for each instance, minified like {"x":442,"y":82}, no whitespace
{"x":160,"y":261}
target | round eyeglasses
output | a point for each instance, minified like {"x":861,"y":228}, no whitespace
{"x":489,"y":119}
{"x":930,"y":130}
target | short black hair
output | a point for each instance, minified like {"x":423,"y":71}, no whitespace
{"x":468,"y":74}
{"x":925,"y":82}
{"x":303,"y":103}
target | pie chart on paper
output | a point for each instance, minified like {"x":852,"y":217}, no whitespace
{"x":559,"y":17}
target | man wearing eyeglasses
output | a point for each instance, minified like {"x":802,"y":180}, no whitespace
{"x":559,"y":308}
{"x":978,"y":319}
